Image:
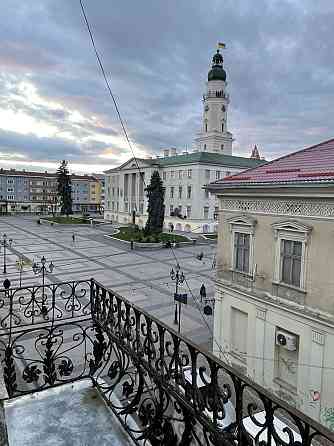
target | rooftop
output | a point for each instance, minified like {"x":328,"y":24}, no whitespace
{"x":312,"y":165}
{"x":201,"y":158}
{"x":30,"y":173}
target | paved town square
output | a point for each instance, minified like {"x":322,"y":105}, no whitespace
{"x":142,"y":276}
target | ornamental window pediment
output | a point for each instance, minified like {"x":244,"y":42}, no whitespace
{"x":292,"y":226}
{"x":245,"y":221}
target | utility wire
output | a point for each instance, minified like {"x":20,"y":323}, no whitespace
{"x":224,"y":353}
{"x":108,"y":87}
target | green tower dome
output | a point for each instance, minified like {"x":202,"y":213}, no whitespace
{"x":217,"y":72}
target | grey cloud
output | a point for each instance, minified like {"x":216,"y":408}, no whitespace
{"x":157,"y":55}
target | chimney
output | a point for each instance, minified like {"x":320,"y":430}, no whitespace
{"x":166,"y":153}
{"x":173,"y":151}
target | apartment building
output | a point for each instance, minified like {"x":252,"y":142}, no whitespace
{"x":24,"y":191}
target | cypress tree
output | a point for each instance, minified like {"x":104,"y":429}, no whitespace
{"x":64,"y":188}
{"x":156,"y":207}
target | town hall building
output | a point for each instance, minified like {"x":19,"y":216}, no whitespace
{"x":188,"y":207}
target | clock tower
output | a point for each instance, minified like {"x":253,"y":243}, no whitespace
{"x":214,"y":136}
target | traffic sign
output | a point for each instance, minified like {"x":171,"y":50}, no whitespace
{"x":182,"y":298}
{"x":207,"y":310}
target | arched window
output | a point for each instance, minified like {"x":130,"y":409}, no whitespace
{"x":222,"y":127}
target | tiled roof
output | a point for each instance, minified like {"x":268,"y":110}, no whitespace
{"x":310,"y":165}
{"x":200,"y":157}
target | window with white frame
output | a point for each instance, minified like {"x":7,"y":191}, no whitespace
{"x":189,"y":192}
{"x":189,"y":173}
{"x":291,"y":252}
{"x":217,"y":175}
{"x":188,"y":211}
{"x":164,"y":175}
{"x":206,"y":212}
{"x":180,"y":174}
{"x":241,"y":252}
{"x":242,"y":230}
{"x":180,"y":191}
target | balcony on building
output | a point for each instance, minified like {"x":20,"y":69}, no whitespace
{"x":81,"y":365}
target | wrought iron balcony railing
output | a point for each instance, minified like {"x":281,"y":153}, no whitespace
{"x":163,"y":388}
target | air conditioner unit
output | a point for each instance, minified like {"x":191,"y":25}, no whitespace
{"x":286,"y":340}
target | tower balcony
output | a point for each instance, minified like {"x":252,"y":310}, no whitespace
{"x":82,"y":365}
{"x":216,"y":94}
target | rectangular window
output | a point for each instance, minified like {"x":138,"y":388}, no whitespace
{"x":189,"y":192}
{"x":172,"y":192}
{"x":206,"y":212}
{"x":291,"y":259}
{"x":207,"y":174}
{"x":241,"y":252}
{"x":206,"y":193}
{"x":188,"y":211}
{"x":180,"y":191}
{"x":180,"y":173}
{"x":239,"y":328}
{"x":217,"y":175}
{"x":171,"y":209}
{"x":215,"y":215}
{"x":172,"y":173}
{"x":189,"y":173}
{"x":180,"y":209}
{"x":164,"y":175}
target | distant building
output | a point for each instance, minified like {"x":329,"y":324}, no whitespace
{"x":274,"y":311}
{"x":187,"y":206}
{"x":24,"y":191}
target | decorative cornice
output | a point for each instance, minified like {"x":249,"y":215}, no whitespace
{"x":289,"y":207}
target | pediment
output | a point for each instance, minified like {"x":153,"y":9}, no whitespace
{"x":244,"y":220}
{"x":134,"y":163}
{"x":292,"y":226}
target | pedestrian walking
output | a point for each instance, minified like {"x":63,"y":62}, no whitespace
{"x":214,"y":262}
{"x":202,"y":292}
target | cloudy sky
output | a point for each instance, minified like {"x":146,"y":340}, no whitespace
{"x":54,"y":104}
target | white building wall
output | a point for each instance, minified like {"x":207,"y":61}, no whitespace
{"x":315,"y":370}
{"x":199,"y":200}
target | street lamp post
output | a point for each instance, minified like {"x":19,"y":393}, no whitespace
{"x":37,"y":269}
{"x":6,"y":244}
{"x":179,"y":278}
